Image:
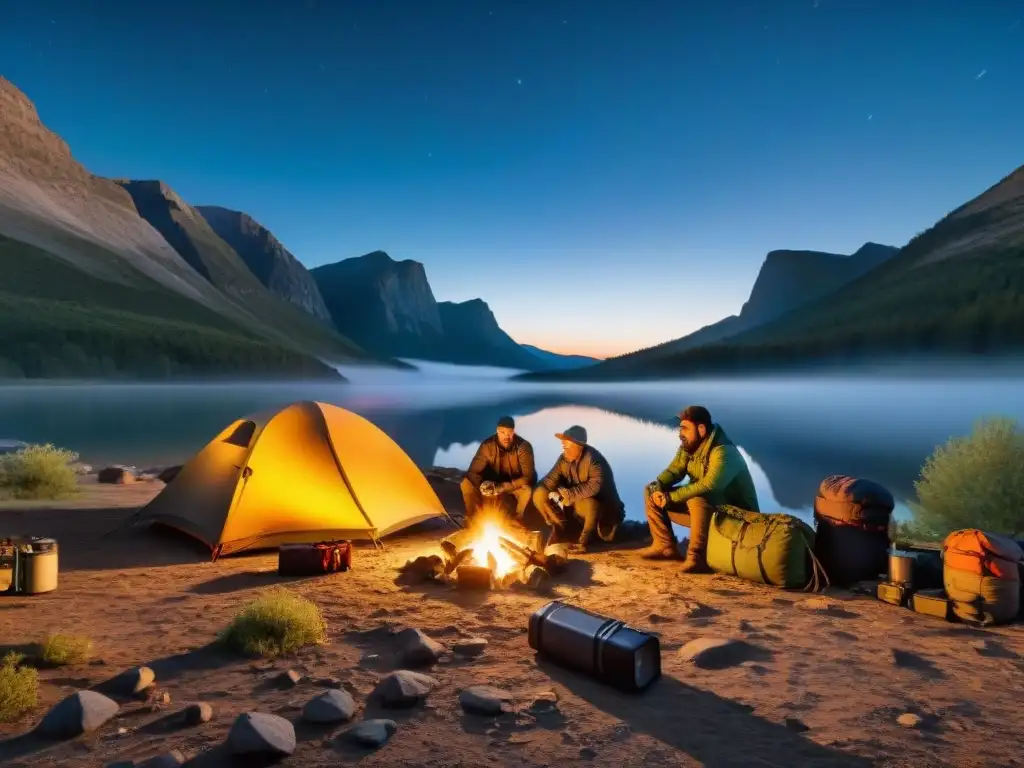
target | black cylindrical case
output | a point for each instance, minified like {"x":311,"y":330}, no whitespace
{"x":604,"y":648}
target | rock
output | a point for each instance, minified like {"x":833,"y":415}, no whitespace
{"x":485,"y":700}
{"x":372,"y":733}
{"x":403,"y":688}
{"x":796,"y":725}
{"x":690,"y":609}
{"x":81,"y":712}
{"x":472,"y":646}
{"x":170,"y":473}
{"x":543,"y":702}
{"x":134,"y":681}
{"x":587,"y":753}
{"x":329,"y":682}
{"x":261,"y":733}
{"x":909,"y":720}
{"x":536,"y":578}
{"x":171,"y":759}
{"x":714,"y":652}
{"x":818,"y":604}
{"x":334,"y":706}
{"x":197,"y":713}
{"x":415,"y":649}
{"x":424,"y":568}
{"x":289,"y":678}
{"x":115,"y":475}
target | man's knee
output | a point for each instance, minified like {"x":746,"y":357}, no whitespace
{"x":699,"y":505}
{"x":468,"y":489}
{"x":539,"y":496}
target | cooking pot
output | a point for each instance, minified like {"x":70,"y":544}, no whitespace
{"x":901,"y":568}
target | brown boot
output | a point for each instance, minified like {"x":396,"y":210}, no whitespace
{"x":700,"y":523}
{"x":660,"y":551}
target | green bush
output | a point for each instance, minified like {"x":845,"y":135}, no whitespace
{"x":19,"y":688}
{"x":276,"y":623}
{"x":38,"y":472}
{"x":60,"y":650}
{"x":975,"y":481}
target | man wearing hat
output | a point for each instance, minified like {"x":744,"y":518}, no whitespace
{"x":581,"y":481}
{"x":502,"y":471}
{"x":718,"y":475}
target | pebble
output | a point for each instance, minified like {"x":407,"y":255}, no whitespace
{"x":333,"y":706}
{"x":171,"y":759}
{"x":485,"y":700}
{"x":403,"y":688}
{"x":372,"y":733}
{"x":472,"y":646}
{"x":909,"y":720}
{"x":289,"y":678}
{"x":197,"y":713}
{"x":415,"y":649}
{"x":81,"y":712}
{"x":261,"y":733}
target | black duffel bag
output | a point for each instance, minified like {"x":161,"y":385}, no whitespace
{"x":851,"y":518}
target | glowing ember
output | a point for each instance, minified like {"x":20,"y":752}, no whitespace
{"x":486,"y":542}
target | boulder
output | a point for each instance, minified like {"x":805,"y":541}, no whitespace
{"x":402,"y":688}
{"x":485,"y":700}
{"x":372,"y":733}
{"x":132,"y":682}
{"x":116,"y":475}
{"x":81,"y":712}
{"x":472,"y":646}
{"x":333,"y":706}
{"x":289,"y":678}
{"x":261,"y":733}
{"x":415,"y":649}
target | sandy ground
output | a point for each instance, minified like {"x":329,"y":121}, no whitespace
{"x":810,"y":689}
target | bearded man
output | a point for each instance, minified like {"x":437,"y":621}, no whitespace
{"x":502,"y":471}
{"x":717,"y":474}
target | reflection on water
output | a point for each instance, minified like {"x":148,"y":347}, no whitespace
{"x":793,"y":432}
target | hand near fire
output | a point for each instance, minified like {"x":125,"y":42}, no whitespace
{"x":487,"y":488}
{"x":564,"y":494}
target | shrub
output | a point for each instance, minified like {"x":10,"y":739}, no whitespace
{"x":975,"y":481}
{"x":38,"y":472}
{"x":18,"y":687}
{"x":276,"y":623}
{"x":60,"y":650}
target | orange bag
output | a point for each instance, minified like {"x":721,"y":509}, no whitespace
{"x":982,"y":554}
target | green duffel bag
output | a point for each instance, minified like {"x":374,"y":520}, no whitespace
{"x":775,"y":549}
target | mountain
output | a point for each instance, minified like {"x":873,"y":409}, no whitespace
{"x":787,"y":281}
{"x":272,"y":264}
{"x":473,"y":337}
{"x":388,"y":306}
{"x":955,"y":290}
{"x":205,"y":251}
{"x":383,"y":305}
{"x":555,"y":361}
{"x":90,"y":288}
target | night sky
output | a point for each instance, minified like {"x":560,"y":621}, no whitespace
{"x":606,"y":174}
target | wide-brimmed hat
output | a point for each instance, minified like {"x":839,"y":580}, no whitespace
{"x":575,"y":433}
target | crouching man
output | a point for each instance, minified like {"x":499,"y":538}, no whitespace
{"x":580,"y":482}
{"x":502,"y":472}
{"x":718,"y":475}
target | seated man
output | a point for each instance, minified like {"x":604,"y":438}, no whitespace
{"x":581,"y":481}
{"x":717,"y":475}
{"x":502,"y":471}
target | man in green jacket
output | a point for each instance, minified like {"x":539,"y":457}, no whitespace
{"x":718,"y":475}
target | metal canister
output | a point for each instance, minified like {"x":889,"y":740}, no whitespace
{"x":901,"y":569}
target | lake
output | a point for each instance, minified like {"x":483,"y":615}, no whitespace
{"x":793,"y":432}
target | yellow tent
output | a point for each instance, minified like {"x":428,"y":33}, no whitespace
{"x":306,"y":472}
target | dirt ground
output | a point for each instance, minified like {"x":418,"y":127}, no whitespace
{"x":810,"y":687}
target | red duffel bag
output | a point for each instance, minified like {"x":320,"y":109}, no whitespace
{"x":314,"y":559}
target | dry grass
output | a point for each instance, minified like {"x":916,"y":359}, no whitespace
{"x":62,"y":650}
{"x":19,"y":688}
{"x":277,"y":623}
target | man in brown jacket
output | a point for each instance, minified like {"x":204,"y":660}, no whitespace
{"x":502,"y":471}
{"x":582,"y":481}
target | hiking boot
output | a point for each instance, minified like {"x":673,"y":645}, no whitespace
{"x":695,"y":563}
{"x":658,"y":551}
{"x":696,"y":552}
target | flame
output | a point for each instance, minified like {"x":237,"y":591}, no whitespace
{"x":485,"y":543}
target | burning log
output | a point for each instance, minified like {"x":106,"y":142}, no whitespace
{"x":458,"y":559}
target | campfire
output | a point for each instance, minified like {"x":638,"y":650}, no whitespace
{"x":491,"y":555}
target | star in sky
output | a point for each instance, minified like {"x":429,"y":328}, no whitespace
{"x":518,"y":81}
{"x":981,"y":74}
{"x":870,"y":116}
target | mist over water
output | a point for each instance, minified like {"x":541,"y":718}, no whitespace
{"x":793,"y":431}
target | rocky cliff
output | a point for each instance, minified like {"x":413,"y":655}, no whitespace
{"x":473,"y":336}
{"x":383,"y":305}
{"x":272,"y":264}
